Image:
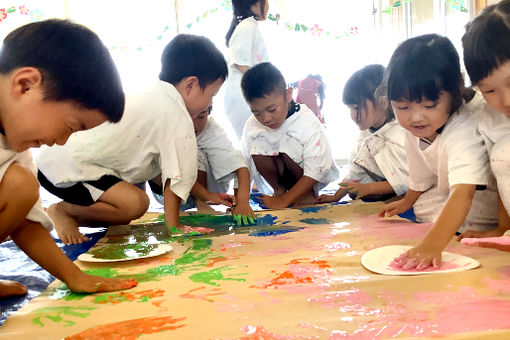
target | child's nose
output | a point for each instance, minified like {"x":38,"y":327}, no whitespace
{"x":63,"y":139}
{"x":267,"y":117}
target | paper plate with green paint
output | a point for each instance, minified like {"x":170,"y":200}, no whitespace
{"x":123,"y":252}
{"x":380,"y":261}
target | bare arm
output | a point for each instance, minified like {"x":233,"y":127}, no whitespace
{"x":400,"y":206}
{"x":172,"y":203}
{"x":242,"y":68}
{"x":451,"y":218}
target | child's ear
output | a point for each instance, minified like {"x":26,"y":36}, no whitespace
{"x":25,"y":79}
{"x":189,"y":84}
{"x":288,"y":94}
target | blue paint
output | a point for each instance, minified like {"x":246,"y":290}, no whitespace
{"x":340,"y":202}
{"x":264,"y":232}
{"x":315,"y":221}
{"x":266,"y":220}
{"x":313,"y":209}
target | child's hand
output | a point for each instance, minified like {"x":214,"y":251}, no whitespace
{"x":394,"y":208}
{"x":419,"y":257}
{"x":222,"y":198}
{"x":243,"y":214}
{"x":481,"y":234}
{"x":500,"y":243}
{"x":358,"y":190}
{"x":326,"y":199}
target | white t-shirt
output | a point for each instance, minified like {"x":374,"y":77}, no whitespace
{"x":302,"y":137}
{"x":493,"y":125}
{"x":9,"y":156}
{"x":247,"y":48}
{"x":457,"y":156}
{"x":155,"y":135}
{"x":383,"y":154}
{"x":217,"y":157}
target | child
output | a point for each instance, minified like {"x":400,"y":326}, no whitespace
{"x":247,"y":48}
{"x":311,"y":90}
{"x":96,"y":172}
{"x":43,"y":66}
{"x":378,"y":164}
{"x":218,"y":164}
{"x":285,"y":145}
{"x":447,"y":157}
{"x":487,"y":58}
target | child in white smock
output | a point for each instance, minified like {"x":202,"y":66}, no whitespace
{"x":378,"y":164}
{"x":285,"y":145}
{"x":449,"y":172}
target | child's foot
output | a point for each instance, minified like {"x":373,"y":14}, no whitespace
{"x":66,"y":225}
{"x":92,"y":284}
{"x":11,"y":288}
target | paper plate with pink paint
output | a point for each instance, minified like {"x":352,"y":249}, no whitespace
{"x":117,"y":253}
{"x":380,"y":260}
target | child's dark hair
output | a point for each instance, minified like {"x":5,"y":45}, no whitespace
{"x":422,"y":67}
{"x":191,"y":55}
{"x":366,"y":84}
{"x":74,"y":64}
{"x":486,"y":42}
{"x":261,"y":80}
{"x":242,"y":10}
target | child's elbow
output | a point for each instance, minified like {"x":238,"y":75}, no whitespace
{"x":464,"y":190}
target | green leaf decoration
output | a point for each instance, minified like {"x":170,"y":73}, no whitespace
{"x":296,"y":28}
{"x":11,"y":10}
{"x":397,"y":4}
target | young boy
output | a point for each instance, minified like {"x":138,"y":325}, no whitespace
{"x":98,"y":170}
{"x":218,"y":164}
{"x":284,"y":143}
{"x":486,"y":46}
{"x":43,"y":67}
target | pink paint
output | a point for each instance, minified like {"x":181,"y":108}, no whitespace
{"x":502,"y":240}
{"x":373,"y":225}
{"x":272,"y":252}
{"x":336,"y":299}
{"x":259,"y":333}
{"x":202,"y":230}
{"x":500,"y":286}
{"x":445,"y":265}
{"x":331,"y":247}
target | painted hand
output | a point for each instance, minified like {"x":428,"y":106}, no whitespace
{"x":243,"y":214}
{"x":359,"y":190}
{"x":222,"y":198}
{"x":504,"y":245}
{"x":419,"y":257}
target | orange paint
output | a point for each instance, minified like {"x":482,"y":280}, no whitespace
{"x":214,"y":260}
{"x":129,"y":329}
{"x":130,"y":283}
{"x":205,"y":297}
{"x":128,"y":296}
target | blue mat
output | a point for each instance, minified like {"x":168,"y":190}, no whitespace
{"x":16,"y":266}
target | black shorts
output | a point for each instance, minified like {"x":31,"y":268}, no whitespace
{"x":78,"y":193}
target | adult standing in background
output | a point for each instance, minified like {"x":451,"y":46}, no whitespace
{"x":247,"y":48}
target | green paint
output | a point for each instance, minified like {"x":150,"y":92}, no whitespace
{"x":201,"y":244}
{"x":123,"y":251}
{"x":215,"y":275}
{"x":107,"y":297}
{"x":56,"y":314}
{"x":105,"y":272}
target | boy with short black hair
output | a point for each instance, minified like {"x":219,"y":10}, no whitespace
{"x":486,"y":46}
{"x":286,"y":147}
{"x":43,"y":67}
{"x":99,"y":169}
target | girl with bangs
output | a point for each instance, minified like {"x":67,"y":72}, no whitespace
{"x":449,"y":172}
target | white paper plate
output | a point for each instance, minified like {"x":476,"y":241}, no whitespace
{"x":379,"y":260}
{"x":160,"y":250}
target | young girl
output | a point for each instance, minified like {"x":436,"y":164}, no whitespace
{"x":487,"y":58}
{"x":247,"y":49}
{"x":285,"y":145}
{"x":378,"y":164}
{"x":447,"y":157}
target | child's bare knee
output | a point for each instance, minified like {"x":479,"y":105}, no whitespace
{"x":20,"y":185}
{"x":140,"y":204}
